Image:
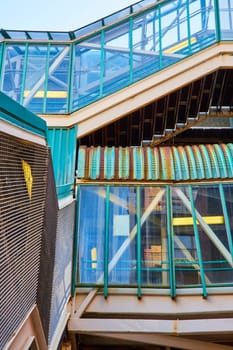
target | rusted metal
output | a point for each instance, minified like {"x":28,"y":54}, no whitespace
{"x":163,"y":163}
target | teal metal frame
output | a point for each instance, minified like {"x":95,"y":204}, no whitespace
{"x":204,"y":267}
{"x":84,"y":85}
{"x":63,"y":144}
{"x":197,"y":241}
{"x":15,"y":114}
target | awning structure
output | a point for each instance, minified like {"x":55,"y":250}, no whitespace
{"x":163,"y":163}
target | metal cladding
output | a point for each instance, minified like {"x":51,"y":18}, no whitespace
{"x":23,"y":183}
{"x":163,"y":163}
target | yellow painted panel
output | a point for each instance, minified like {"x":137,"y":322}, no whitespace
{"x":94,"y":258}
{"x":49,"y":94}
{"x":180,"y":46}
{"x":27,"y":177}
{"x":189,"y":220}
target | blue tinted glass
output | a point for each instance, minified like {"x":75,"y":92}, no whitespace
{"x":116,"y":67}
{"x":59,"y":35}
{"x":57,"y":79}
{"x":12,"y":76}
{"x":34,"y":89}
{"x":91,"y":234}
{"x":87,"y":70}
{"x":122,"y":236}
{"x":39,"y":35}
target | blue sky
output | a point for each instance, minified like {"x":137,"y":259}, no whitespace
{"x":55,"y":15}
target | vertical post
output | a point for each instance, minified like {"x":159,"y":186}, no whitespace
{"x":170,"y":233}
{"x":24,"y":73}
{"x":75,"y":244}
{"x":131,"y":49}
{"x":160,"y":39}
{"x":217,"y":20}
{"x":138,"y":204}
{"x":188,"y":26}
{"x":46,"y":78}
{"x":204,"y":15}
{"x":106,"y":242}
{"x":70,"y":79}
{"x":102,"y":55}
{"x":197,"y":241}
{"x":2,"y":55}
{"x":226,"y":219}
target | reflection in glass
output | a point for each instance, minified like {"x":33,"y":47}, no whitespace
{"x":122,"y":236}
{"x":185,"y":250}
{"x":203,"y":249}
{"x":91,"y":234}
{"x":154,"y":250}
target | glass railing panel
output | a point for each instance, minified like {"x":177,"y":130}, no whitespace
{"x":187,"y":265}
{"x":146,"y":45}
{"x":139,"y":5}
{"x":122,"y":236}
{"x":57,"y":79}
{"x":35,"y":77}
{"x":116,"y":59}
{"x":226,"y":19}
{"x":201,"y":25}
{"x":87,"y":72}
{"x":87,"y":29}
{"x":116,"y":16}
{"x":91,"y":235}
{"x":12,"y":73}
{"x":154,"y":240}
{"x":173,"y":33}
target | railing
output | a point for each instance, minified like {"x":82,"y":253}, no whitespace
{"x":63,"y":73}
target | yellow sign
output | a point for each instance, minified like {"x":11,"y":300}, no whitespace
{"x":27,"y":177}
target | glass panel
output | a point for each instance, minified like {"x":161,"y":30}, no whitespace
{"x":88,"y":29}
{"x":122,"y":236}
{"x":174,"y":33}
{"x":91,"y":224}
{"x":39,"y":35}
{"x":13,"y":71}
{"x":154,"y":247}
{"x":139,"y":5}
{"x":202,"y":25}
{"x":57,"y":79}
{"x":59,"y":35}
{"x":116,"y":16}
{"x":226,"y":19}
{"x":17,"y":34}
{"x":116,"y":59}
{"x":185,"y":250}
{"x":35,"y":77}
{"x":213,"y":236}
{"x":146,"y":59}
{"x":86,"y":81}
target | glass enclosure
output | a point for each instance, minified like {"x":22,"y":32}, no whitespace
{"x":58,"y":73}
{"x":155,"y":236}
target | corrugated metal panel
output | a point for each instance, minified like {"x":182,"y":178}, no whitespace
{"x":63,"y":150}
{"x":164,"y":163}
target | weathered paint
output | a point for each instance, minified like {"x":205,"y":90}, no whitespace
{"x":164,"y":163}
{"x":62,"y":142}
